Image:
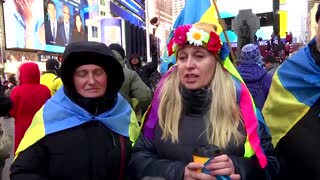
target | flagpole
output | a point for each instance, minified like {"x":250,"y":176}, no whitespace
{"x":221,"y":21}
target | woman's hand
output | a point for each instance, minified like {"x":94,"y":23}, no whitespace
{"x":191,"y":172}
{"x":24,"y":7}
{"x":222,"y":166}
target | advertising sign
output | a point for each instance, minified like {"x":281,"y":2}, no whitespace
{"x":47,"y":25}
{"x":111,"y":31}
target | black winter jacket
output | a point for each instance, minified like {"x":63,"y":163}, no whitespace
{"x":158,"y":158}
{"x":86,"y":152}
{"x":298,"y":151}
{"x":145,"y":71}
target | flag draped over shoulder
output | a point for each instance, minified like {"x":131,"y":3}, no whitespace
{"x":248,"y":111}
{"x":205,"y":12}
{"x":60,"y":113}
{"x":295,"y":88}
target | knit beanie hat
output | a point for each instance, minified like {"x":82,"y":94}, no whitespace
{"x":250,"y":53}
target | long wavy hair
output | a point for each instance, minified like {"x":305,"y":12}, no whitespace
{"x":223,"y":116}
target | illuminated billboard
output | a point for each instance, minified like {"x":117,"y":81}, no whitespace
{"x":47,"y":25}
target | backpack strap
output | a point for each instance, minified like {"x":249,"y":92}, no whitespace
{"x":123,"y":156}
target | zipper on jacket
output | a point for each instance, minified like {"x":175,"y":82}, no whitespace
{"x":113,"y":140}
{"x":97,"y":108}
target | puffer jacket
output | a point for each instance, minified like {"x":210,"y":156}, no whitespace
{"x":158,"y":158}
{"x":257,"y":80}
{"x":91,"y":146}
{"x":80,"y":138}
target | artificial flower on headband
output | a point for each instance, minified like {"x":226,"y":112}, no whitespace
{"x":180,"y":35}
{"x":224,"y":51}
{"x":187,"y":34}
{"x":214,"y":44}
{"x":197,"y":36}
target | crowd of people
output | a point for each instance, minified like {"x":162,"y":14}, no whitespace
{"x":280,"y":48}
{"x":78,"y":119}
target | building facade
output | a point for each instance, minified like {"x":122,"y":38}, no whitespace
{"x":162,"y":9}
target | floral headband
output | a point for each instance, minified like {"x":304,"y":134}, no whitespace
{"x":187,"y":34}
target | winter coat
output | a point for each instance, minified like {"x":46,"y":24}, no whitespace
{"x":257,"y":80}
{"x":75,"y":137}
{"x":27,"y":99}
{"x":298,"y":150}
{"x":292,"y":112}
{"x":89,"y":151}
{"x":133,"y":86}
{"x":145,"y":71}
{"x":56,"y":85}
{"x":47,"y":79}
{"x":167,"y":160}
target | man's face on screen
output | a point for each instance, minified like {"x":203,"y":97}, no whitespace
{"x":52,"y":11}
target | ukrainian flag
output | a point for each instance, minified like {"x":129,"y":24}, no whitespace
{"x":205,"y":12}
{"x":60,"y":113}
{"x":295,"y":88}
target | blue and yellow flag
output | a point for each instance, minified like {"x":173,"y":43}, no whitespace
{"x":60,"y":113}
{"x":295,"y":88}
{"x":205,"y":12}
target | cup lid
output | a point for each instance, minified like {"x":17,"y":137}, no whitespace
{"x":207,"y":150}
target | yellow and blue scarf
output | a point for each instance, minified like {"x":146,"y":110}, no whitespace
{"x":60,"y":113}
{"x":295,"y":88}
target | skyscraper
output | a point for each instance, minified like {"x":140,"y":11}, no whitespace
{"x":177,"y":6}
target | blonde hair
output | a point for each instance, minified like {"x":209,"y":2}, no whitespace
{"x":223,"y":116}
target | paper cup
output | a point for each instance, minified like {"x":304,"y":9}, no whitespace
{"x":201,"y":160}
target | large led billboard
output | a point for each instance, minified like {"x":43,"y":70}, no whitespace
{"x":47,"y":25}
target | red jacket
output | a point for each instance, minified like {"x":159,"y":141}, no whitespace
{"x":27,"y":99}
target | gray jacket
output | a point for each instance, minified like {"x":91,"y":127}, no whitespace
{"x":134,"y":87}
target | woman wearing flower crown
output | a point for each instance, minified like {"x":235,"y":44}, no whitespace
{"x":199,"y":102}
